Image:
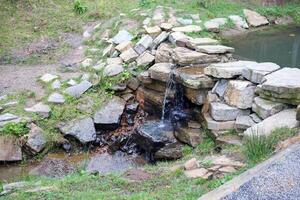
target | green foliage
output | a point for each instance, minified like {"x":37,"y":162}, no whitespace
{"x":258,"y":147}
{"x":16,"y":129}
{"x":79,"y":8}
{"x":213,"y":184}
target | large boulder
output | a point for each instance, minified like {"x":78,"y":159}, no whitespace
{"x":240,"y":94}
{"x":224,"y":112}
{"x":265,"y":108}
{"x":285,"y":118}
{"x":193,"y":77}
{"x":184,"y":56}
{"x":109,"y":115}
{"x":254,"y":19}
{"x":282,"y":86}
{"x":77,"y":90}
{"x":81,"y":129}
{"x":9,"y":149}
{"x":161,"y":71}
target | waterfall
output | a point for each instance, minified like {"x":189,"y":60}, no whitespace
{"x":168,"y":93}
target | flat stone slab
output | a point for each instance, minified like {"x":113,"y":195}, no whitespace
{"x":124,"y":46}
{"x":129,"y":55}
{"x":122,"y":36}
{"x":214,"y":25}
{"x":285,"y":118}
{"x":160,"y":71}
{"x":77,"y":90}
{"x":8,"y":118}
{"x":265,"y":108}
{"x":46,"y":78}
{"x":254,"y":19}
{"x":227,"y":70}
{"x":187,"y":29}
{"x":192,"y":43}
{"x":145,"y":59}
{"x":176,"y":36}
{"x":159,"y":39}
{"x":56,"y":98}
{"x":81,"y":129}
{"x":41,"y":109}
{"x":244,"y":122}
{"x":211,"y":124}
{"x":224,"y":112}
{"x":113,"y":70}
{"x":193,"y":77}
{"x":143,"y":44}
{"x":214,"y":49}
{"x":9,"y":149}
{"x":282,"y":86}
{"x":238,"y":21}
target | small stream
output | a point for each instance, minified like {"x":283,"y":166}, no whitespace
{"x":280,"y":45}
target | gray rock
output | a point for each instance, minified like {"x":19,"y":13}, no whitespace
{"x":238,"y":21}
{"x":196,"y":96}
{"x":229,"y":139}
{"x":214,"y":25}
{"x":192,"y":137}
{"x":145,"y":59}
{"x":220,"y":87}
{"x":46,"y":78}
{"x":160,"y":71}
{"x":109,"y":115}
{"x":56,"y":98}
{"x":81,"y":129}
{"x":133,"y":83}
{"x":243,"y":122}
{"x":113,"y":70}
{"x":184,"y":56}
{"x":240,"y":94}
{"x":108,"y":51}
{"x":9,"y":149}
{"x":187,"y":29}
{"x":77,"y":90}
{"x":214,"y":49}
{"x":176,"y":36}
{"x":256,"y":72}
{"x":56,"y":84}
{"x":265,"y":108}
{"x":227,"y":70}
{"x":169,"y":152}
{"x":8,"y":118}
{"x":143,"y":44}
{"x":223,"y":112}
{"x":255,"y":118}
{"x":192,"y":43}
{"x":285,"y":118}
{"x":159,"y":39}
{"x":10,"y":104}
{"x":211,"y":124}
{"x":36,"y":140}
{"x":129,"y":55}
{"x":185,"y":21}
{"x":122,"y":36}
{"x":144,"y":77}
{"x":254,"y":19}
{"x":164,"y":54}
{"x":41,"y":109}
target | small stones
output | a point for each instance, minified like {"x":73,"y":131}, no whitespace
{"x":129,"y":55}
{"x":77,"y":90}
{"x":265,"y":108}
{"x":254,"y":19}
{"x":46,"y":78}
{"x":9,"y":149}
{"x":191,"y":164}
{"x":41,"y":109}
{"x":153,"y":31}
{"x":56,"y":98}
{"x":144,"y":43}
{"x":160,"y":71}
{"x":122,"y":36}
{"x":71,"y":82}
{"x":187,"y":29}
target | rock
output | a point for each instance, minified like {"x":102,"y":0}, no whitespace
{"x":169,"y":152}
{"x":144,"y":77}
{"x":151,"y":101}
{"x":124,"y":46}
{"x":193,"y":77}
{"x":113,"y":70}
{"x":255,"y":118}
{"x":217,"y":126}
{"x":223,"y":112}
{"x":175,"y":37}
{"x":145,"y":59}
{"x":81,"y":129}
{"x":8,"y":118}
{"x":187,"y":29}
{"x":227,"y":169}
{"x":71,"y":82}
{"x":132,"y":108}
{"x":285,"y":118}
{"x":56,"y":98}
{"x":133,"y":83}
{"x":229,"y":140}
{"x":238,"y":21}
{"x":14,"y":186}
{"x":282,"y":86}
{"x":46,"y":78}
{"x":10,"y":104}
{"x":192,"y":43}
{"x":166,"y":26}
{"x":298,"y":113}
{"x":36,"y":140}
{"x":158,"y":86}
{"x":114,"y":61}
{"x":143,"y":44}
{"x":189,"y":136}
{"x":129,"y":55}
{"x":56,"y":85}
{"x":214,"y":25}
{"x":194,"y":125}
{"x":127,"y":97}
{"x":265,"y":108}
{"x":220,"y":87}
{"x":243,"y":122}
{"x":284,"y":20}
{"x":198,"y":173}
{"x":85,"y":77}
{"x":214,"y":49}
{"x":256,"y":72}
{"x":41,"y":109}
{"x":77,"y":90}
{"x":254,"y":19}
{"x":184,"y":56}
{"x":196,"y":96}
{"x":160,"y":71}
{"x":240,"y":94}
{"x":227,"y":70}
{"x":147,"y":21}
{"x":223,"y":161}
{"x":154,"y":135}
{"x":87,"y":63}
{"x":9,"y":149}
{"x":164,"y":54}
{"x":159,"y":39}
{"x":108,"y":51}
{"x":122,"y":36}
{"x":185,"y":21}
{"x":153,"y":31}
{"x":109,"y":115}
{"x":191,"y":164}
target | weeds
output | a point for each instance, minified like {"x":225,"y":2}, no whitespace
{"x":16,"y":129}
{"x":79,"y":8}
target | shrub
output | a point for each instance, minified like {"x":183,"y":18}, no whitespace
{"x":79,"y":8}
{"x":16,"y":129}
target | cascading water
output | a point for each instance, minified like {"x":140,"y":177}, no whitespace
{"x":168,"y":93}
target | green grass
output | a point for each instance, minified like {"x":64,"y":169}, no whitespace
{"x":259,"y":147}
{"x":16,"y":129}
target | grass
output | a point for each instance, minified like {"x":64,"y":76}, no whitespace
{"x":259,"y":147}
{"x":16,"y":129}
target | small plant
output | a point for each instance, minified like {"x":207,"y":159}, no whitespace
{"x":16,"y":129}
{"x":79,"y":8}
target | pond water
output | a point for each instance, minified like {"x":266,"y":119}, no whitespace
{"x":278,"y":45}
